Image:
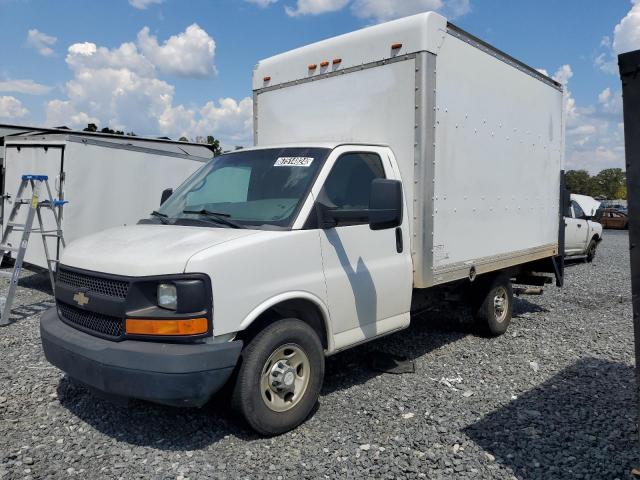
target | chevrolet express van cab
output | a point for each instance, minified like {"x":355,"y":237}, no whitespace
{"x":390,"y":164}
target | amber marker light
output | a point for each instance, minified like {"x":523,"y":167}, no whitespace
{"x":396,"y":46}
{"x":324,"y":63}
{"x":266,"y":79}
{"x":336,"y":61}
{"x":191,"y":326}
{"x":312,"y":66}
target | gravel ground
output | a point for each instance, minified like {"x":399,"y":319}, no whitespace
{"x":553,"y":398}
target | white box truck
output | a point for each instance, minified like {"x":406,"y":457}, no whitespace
{"x":392,"y":163}
{"x":108,"y":180}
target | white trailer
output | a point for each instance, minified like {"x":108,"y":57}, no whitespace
{"x":478,"y":135}
{"x":108,"y":180}
{"x":393,"y":165}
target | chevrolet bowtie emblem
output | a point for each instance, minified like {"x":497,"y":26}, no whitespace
{"x":81,"y":299}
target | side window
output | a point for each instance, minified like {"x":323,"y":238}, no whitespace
{"x":348,"y":185}
{"x":578,"y":212}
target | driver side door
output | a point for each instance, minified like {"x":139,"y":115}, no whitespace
{"x":576,"y":230}
{"x":368,"y":273}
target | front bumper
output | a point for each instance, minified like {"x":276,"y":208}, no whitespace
{"x":167,"y":373}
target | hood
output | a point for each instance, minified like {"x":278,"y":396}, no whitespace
{"x":140,"y":250}
{"x":588,"y":204}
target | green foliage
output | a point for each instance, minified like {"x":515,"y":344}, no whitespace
{"x":92,"y":127}
{"x":578,"y":181}
{"x":610,"y":183}
{"x":215,"y":144}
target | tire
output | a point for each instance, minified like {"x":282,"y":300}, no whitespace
{"x":268,"y":360}
{"x":591,"y":250}
{"x":490,"y":317}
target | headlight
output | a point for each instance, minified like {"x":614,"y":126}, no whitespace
{"x":167,"y":296}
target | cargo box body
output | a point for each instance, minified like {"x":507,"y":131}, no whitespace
{"x":479,"y":136}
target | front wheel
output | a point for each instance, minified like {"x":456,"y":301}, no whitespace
{"x":280,"y":377}
{"x":493,"y":305}
{"x":591,"y":250}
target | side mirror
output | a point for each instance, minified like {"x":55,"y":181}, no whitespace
{"x":385,"y":204}
{"x":166,"y":193}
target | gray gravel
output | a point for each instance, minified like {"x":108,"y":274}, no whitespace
{"x":553,"y":398}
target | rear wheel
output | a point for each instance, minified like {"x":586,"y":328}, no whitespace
{"x":591,"y":250}
{"x":280,"y":377}
{"x":493,"y":305}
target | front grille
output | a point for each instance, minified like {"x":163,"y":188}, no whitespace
{"x":92,"y":321}
{"x":102,"y":286}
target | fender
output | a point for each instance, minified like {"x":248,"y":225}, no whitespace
{"x":292,"y":295}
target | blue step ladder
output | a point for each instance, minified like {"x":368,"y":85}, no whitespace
{"x":35,"y":183}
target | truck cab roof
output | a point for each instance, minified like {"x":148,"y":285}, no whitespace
{"x":327,"y":144}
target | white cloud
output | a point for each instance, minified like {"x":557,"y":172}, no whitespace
{"x":593,"y":136}
{"x":143,"y":4}
{"x":120,"y":88}
{"x":604,"y":96}
{"x":83,"y":56}
{"x":11,"y":107}
{"x":63,"y":113}
{"x":378,"y":10}
{"x":384,"y":10}
{"x":41,"y":42}
{"x":261,"y":3}
{"x":315,"y":7}
{"x":188,"y":54}
{"x":28,"y":87}
{"x":626,"y":37}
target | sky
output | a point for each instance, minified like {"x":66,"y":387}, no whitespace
{"x":183,"y":67}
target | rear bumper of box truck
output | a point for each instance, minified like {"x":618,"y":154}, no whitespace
{"x":167,"y":373}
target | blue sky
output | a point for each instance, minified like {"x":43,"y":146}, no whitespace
{"x":170,"y":67}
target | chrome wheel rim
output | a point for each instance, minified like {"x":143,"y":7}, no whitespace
{"x":500,"y":304}
{"x":285,"y":377}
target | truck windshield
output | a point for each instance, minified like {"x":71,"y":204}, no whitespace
{"x":259,"y":188}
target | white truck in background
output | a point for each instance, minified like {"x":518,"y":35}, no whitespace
{"x":392,"y":163}
{"x":583,"y":233}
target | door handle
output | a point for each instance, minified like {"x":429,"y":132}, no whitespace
{"x":399,"y":242}
{"x":579,"y":225}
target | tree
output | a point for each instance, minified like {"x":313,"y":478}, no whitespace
{"x":111,"y":131}
{"x":215,"y":144}
{"x":183,"y":139}
{"x":91,"y":127}
{"x":609,"y":182}
{"x":578,"y":181}
{"x":621,"y":194}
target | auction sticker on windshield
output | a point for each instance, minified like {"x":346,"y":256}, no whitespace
{"x":293,"y":162}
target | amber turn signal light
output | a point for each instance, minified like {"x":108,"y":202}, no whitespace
{"x":191,"y":326}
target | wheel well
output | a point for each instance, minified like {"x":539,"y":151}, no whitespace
{"x":595,"y":237}
{"x":302,"y":309}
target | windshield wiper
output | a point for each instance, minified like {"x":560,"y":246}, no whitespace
{"x":218,"y":217}
{"x":164,"y":219}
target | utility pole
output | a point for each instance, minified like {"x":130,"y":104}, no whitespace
{"x":629,"y":65}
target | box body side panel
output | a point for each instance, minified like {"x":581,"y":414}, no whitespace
{"x":498,"y":154}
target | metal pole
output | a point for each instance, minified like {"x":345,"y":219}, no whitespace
{"x":629,"y":65}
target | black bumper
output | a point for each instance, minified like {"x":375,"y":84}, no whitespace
{"x":168,"y":373}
